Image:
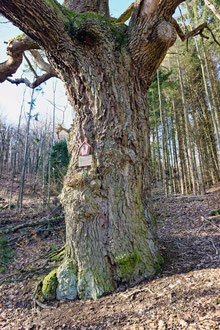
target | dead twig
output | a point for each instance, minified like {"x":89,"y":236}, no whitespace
{"x":7,"y":277}
{"x":13,"y":229}
{"x":210,"y":222}
{"x":215,"y":248}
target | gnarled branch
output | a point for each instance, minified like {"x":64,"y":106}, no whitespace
{"x":15,"y":51}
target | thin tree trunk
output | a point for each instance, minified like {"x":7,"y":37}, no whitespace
{"x":188,"y":139}
{"x":205,"y":86}
{"x":162,"y":137}
{"x":22,"y":182}
{"x":215,"y":106}
{"x":212,"y":8}
{"x":51,"y":146}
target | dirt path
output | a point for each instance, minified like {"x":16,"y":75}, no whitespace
{"x":186,"y":295}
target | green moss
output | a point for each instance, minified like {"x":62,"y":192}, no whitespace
{"x":72,"y":266}
{"x":57,"y":7}
{"x":50,"y":285}
{"x":128,"y":263}
{"x":160,"y":260}
{"x":158,"y":268}
{"x":58,"y":257}
{"x":74,"y":22}
{"x":158,"y":265}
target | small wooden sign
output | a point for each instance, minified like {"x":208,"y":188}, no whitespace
{"x":85,"y":161}
{"x":84,"y":149}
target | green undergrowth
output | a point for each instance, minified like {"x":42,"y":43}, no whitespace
{"x":214,"y":213}
{"x":6,"y":253}
{"x":159,"y":265}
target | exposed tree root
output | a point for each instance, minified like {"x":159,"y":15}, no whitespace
{"x":36,"y":302}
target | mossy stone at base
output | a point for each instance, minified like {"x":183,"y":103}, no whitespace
{"x":67,"y":281}
{"x":50,"y":285}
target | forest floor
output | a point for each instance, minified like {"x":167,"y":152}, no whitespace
{"x":185,"y":295}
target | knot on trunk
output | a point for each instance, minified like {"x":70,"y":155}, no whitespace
{"x":164,"y":32}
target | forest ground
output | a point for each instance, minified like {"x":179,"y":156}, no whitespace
{"x":185,"y":295}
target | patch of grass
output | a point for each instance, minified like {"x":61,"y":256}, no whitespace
{"x":214,"y":213}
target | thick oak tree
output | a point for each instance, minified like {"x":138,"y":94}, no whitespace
{"x":106,"y":68}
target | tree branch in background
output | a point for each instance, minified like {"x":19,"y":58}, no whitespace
{"x":193,"y":33}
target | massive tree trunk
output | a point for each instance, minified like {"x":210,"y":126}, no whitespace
{"x":106,"y":70}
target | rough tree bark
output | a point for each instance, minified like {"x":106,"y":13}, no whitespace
{"x":106,"y":70}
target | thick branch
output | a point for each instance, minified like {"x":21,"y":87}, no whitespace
{"x":15,"y":51}
{"x":151,"y":34}
{"x":41,"y":20}
{"x":143,"y":9}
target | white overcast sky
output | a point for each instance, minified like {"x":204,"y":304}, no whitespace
{"x":11,"y":95}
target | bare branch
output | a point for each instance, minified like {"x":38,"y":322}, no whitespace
{"x":15,"y":51}
{"x":33,"y":85}
{"x":126,"y":15}
{"x":193,"y":33}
